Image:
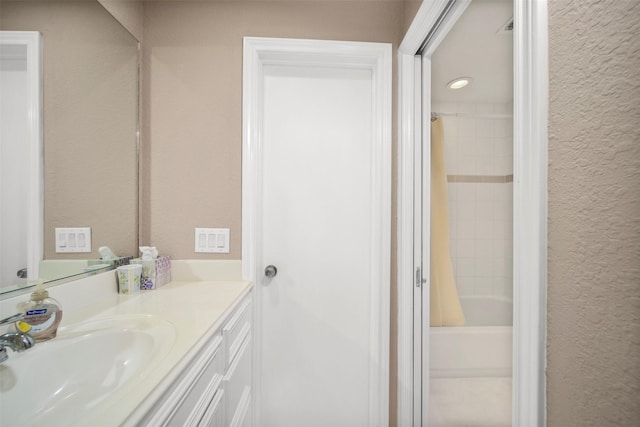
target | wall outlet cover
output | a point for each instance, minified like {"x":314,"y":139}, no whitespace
{"x":212,"y":240}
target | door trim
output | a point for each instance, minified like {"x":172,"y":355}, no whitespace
{"x":377,"y":58}
{"x":530,"y":208}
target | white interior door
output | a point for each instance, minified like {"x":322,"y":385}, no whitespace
{"x":321,"y":196}
{"x":21,"y":163}
{"x":14,"y":155}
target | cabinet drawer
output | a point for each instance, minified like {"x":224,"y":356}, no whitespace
{"x":236,"y":329}
{"x":243,"y":413}
{"x":214,"y":415}
{"x":198,"y":388}
{"x":237,"y":385}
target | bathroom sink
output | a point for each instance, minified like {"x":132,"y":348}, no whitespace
{"x":55,"y":381}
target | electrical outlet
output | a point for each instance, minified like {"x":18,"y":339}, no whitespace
{"x":73,"y":240}
{"x":212,"y":240}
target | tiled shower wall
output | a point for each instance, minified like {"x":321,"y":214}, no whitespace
{"x":479,"y":165}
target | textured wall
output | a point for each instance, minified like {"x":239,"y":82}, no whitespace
{"x":594,"y":213}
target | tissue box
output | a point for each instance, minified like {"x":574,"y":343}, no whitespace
{"x":129,"y":278}
{"x":155,"y":272}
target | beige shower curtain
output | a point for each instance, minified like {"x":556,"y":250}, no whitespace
{"x":445,"y":305}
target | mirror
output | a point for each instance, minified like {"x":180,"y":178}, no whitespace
{"x":90,"y":99}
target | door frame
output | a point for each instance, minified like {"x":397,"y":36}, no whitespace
{"x":529,"y":219}
{"x":35,"y":166}
{"x":377,"y":58}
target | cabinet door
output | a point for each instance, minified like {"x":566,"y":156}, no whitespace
{"x":187,"y":401}
{"x":235,"y":331}
{"x":237,"y":385}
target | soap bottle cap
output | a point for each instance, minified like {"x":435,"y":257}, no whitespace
{"x":40,"y":293}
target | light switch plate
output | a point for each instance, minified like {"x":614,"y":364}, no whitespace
{"x":212,"y":240}
{"x":73,"y":240}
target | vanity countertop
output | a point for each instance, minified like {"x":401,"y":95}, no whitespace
{"x":196,"y":309}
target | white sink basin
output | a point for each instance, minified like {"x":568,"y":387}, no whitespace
{"x":55,"y":381}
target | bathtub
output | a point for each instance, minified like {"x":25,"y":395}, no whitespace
{"x":481,"y":348}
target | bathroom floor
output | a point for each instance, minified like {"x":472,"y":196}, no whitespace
{"x":470,"y":402}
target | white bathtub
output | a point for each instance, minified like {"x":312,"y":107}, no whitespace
{"x":482,"y":348}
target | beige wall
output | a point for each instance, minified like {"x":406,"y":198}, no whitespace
{"x":192,"y":94}
{"x":90,"y":65}
{"x":128,"y":13}
{"x":594,"y":209}
{"x":192,"y":110}
{"x":192,"y":167}
{"x":409,"y":10}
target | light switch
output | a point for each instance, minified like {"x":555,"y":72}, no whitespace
{"x":73,"y":239}
{"x":212,"y":240}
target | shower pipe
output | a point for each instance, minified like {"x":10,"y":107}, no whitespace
{"x":435,"y":115}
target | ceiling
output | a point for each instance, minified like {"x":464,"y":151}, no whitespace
{"x":475,"y":47}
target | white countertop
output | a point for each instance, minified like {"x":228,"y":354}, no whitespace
{"x":197,"y":310}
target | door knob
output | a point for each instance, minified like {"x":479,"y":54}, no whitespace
{"x":270,"y":271}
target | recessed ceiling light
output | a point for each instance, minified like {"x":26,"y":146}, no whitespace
{"x":459,"y":83}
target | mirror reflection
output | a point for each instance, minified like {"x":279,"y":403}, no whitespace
{"x":89,"y":139}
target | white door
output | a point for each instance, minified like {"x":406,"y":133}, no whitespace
{"x":20,"y":156}
{"x":321,"y":216}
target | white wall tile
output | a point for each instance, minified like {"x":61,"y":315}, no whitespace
{"x":485,"y":229}
{"x":466,"y":267}
{"x":485,"y":165}
{"x":466,"y":210}
{"x":485,"y":108}
{"x":501,"y":230}
{"x":466,"y":229}
{"x":500,"y":267}
{"x":484,"y":268}
{"x":485,"y":210}
{"x":480,"y":214}
{"x":486,"y":192}
{"x":484,"y":286}
{"x":453,"y":245}
{"x":502,"y":210}
{"x":485,"y":146}
{"x":467,"y":108}
{"x":485,"y":128}
{"x":485,"y":248}
{"x":466,"y":248}
{"x":467,"y":127}
{"x":503,"y":128}
{"x":465,"y":285}
{"x":466,"y":192}
{"x":502,"y":287}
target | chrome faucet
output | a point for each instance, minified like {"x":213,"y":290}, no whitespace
{"x":16,"y":341}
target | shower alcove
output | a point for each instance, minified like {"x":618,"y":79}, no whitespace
{"x":490,"y":371}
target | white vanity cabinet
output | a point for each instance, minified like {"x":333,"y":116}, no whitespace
{"x":214,"y":390}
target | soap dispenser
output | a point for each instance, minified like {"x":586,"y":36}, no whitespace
{"x":42,"y":313}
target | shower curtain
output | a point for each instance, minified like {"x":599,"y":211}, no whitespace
{"x":445,"y":305}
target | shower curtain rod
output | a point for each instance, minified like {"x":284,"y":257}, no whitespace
{"x":435,"y":115}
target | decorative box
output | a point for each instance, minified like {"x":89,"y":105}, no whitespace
{"x":155,"y":272}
